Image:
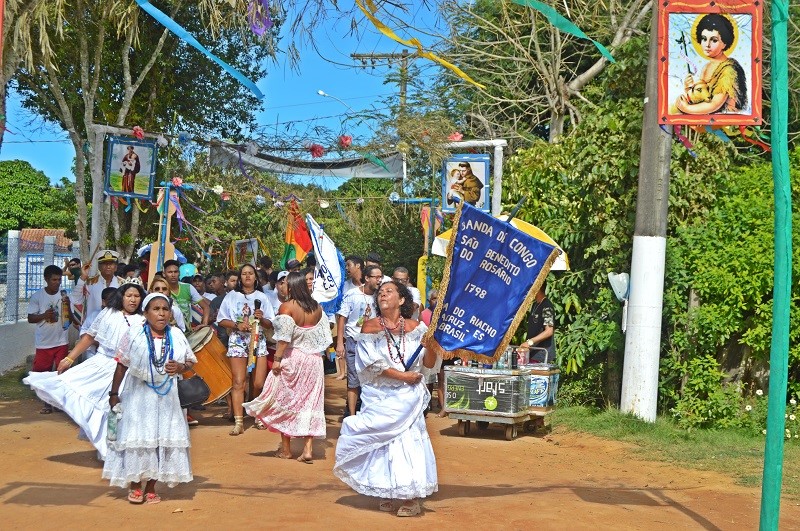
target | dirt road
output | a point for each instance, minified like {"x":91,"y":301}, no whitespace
{"x":49,"y":479}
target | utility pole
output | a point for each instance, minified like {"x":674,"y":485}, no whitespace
{"x":370,"y":59}
{"x":643,"y":335}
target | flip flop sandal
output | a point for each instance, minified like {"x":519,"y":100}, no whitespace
{"x":386,"y":506}
{"x":46,"y":410}
{"x":152,"y":498}
{"x":306,"y":460}
{"x":135,"y":496}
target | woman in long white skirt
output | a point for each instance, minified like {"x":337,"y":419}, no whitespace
{"x":82,"y":391}
{"x":152,"y":437}
{"x":384,"y":450}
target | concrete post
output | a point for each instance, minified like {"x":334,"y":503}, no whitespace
{"x":12,"y":282}
{"x":49,"y":250}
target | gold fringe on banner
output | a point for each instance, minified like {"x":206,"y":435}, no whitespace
{"x":433,"y":345}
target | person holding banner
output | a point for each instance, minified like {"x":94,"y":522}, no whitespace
{"x":385,"y":450}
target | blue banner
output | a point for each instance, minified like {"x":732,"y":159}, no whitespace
{"x":492,"y":274}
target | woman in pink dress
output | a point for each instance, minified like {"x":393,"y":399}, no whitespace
{"x":292,"y":402}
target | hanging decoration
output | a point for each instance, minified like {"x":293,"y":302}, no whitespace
{"x":258,"y":17}
{"x":370,"y":11}
{"x":564,"y":24}
{"x":455,"y":137}
{"x":187,"y":37}
{"x":709,"y":68}
{"x":345,"y":141}
{"x":130,"y":167}
{"x":316,"y":150}
{"x":184,"y":138}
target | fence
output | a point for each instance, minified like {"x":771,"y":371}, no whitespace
{"x":22,"y":274}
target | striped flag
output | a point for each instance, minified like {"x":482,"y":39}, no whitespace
{"x":298,"y":239}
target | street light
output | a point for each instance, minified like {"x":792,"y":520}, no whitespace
{"x":326,"y":95}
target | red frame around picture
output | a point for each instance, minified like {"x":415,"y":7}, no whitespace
{"x":709,"y":62}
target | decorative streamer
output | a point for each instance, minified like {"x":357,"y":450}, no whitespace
{"x":187,"y":37}
{"x":683,"y":140}
{"x":370,"y":13}
{"x":563,"y":24}
{"x":259,"y":19}
{"x":270,"y":191}
{"x":756,"y":141}
{"x":719,"y":133}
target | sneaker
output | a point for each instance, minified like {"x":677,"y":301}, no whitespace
{"x":191,"y":421}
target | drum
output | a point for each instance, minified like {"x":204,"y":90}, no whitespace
{"x":212,"y":363}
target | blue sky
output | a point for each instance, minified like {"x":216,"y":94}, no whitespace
{"x":289,"y":95}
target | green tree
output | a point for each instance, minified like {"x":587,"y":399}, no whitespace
{"x":114,"y":64}
{"x":30,"y":201}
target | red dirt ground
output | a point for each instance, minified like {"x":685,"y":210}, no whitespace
{"x":50,"y":479}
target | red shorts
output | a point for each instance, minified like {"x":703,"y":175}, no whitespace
{"x":47,"y":359}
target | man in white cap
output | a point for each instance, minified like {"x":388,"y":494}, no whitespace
{"x":281,"y":292}
{"x":87,"y":295}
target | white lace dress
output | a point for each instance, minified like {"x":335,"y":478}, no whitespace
{"x":152,"y":436}
{"x":385,"y":450}
{"x":82,"y":391}
{"x":293,"y":403}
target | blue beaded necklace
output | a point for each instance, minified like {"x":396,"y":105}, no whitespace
{"x":158,"y":361}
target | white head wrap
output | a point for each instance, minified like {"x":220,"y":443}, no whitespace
{"x":151,"y":296}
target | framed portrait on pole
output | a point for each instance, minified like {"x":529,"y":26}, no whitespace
{"x":130,"y":167}
{"x":709,"y":67}
{"x":466,"y":178}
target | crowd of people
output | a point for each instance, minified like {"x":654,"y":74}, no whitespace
{"x":118,"y":383}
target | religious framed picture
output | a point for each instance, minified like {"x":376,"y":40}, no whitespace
{"x":130,"y":167}
{"x":465,"y":178}
{"x":709,"y":67}
{"x":245,"y":252}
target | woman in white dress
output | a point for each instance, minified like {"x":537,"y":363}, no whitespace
{"x":293,"y":401}
{"x":82,"y":391}
{"x":241,"y":310}
{"x":152,"y":437}
{"x":384,"y":450}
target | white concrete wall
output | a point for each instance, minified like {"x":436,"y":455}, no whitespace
{"x":16,"y":344}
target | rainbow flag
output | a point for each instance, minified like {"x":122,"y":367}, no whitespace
{"x":298,"y":238}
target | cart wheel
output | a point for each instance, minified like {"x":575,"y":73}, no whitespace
{"x":529,"y":426}
{"x":511,"y":432}
{"x":482,"y":425}
{"x":534,"y":425}
{"x":463,"y":428}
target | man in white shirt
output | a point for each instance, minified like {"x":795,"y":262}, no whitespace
{"x":50,"y":337}
{"x":354,"y":267}
{"x":402,"y":276}
{"x":280,"y":294}
{"x":87,"y":295}
{"x":358,"y":305}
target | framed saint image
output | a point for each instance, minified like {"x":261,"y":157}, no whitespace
{"x":465,"y":178}
{"x":130,"y":167}
{"x":246,"y":252}
{"x":709,"y":67}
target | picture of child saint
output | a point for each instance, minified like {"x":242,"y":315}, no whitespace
{"x":130,"y":167}
{"x":464,"y":185}
{"x":721,"y":84}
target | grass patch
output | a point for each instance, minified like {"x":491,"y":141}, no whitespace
{"x":11,"y":386}
{"x":733,"y":452}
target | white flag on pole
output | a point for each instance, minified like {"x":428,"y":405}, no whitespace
{"x":329,"y":273}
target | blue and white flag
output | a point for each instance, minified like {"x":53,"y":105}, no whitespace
{"x":491,"y":278}
{"x":329,"y":273}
